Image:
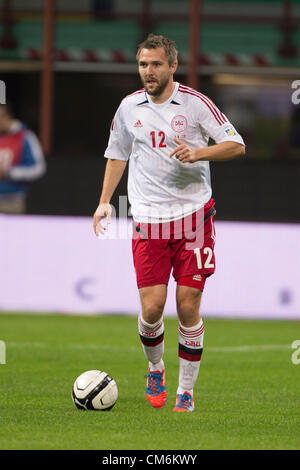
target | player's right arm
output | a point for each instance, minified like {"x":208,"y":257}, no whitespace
{"x":113,"y":173}
{"x":117,"y":154}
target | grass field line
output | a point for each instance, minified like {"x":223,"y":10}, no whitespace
{"x":216,"y":349}
{"x":247,"y":348}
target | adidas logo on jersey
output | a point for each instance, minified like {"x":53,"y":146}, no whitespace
{"x":197,"y":277}
{"x":138,"y":124}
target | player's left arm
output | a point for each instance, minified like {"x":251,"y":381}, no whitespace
{"x":223,"y":151}
{"x":213,"y":123}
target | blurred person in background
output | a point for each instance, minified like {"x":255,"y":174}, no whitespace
{"x":21,"y":161}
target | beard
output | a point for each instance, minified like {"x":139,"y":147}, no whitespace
{"x":159,"y":86}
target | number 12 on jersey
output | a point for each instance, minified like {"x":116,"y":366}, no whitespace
{"x":160,"y":139}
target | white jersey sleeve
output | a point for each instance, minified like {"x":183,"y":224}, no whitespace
{"x":120,"y":142}
{"x":215,"y":124}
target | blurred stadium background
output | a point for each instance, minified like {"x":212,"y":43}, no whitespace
{"x":67,"y":64}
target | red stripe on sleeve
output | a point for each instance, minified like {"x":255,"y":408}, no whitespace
{"x":220,"y":118}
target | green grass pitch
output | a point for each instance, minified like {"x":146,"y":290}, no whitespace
{"x":247,"y":394}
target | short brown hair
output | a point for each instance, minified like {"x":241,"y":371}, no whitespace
{"x":153,"y":42}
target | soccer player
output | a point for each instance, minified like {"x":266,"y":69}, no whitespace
{"x":163,"y":130}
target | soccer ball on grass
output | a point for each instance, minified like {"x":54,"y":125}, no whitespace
{"x":95,"y":390}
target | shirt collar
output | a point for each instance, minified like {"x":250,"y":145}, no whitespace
{"x":148,"y":100}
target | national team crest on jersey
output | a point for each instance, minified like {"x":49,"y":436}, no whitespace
{"x":179,"y":123}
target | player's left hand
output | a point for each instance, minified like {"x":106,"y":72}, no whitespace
{"x":183,"y":152}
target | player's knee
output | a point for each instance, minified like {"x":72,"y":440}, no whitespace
{"x":188,"y":312}
{"x":152,"y":312}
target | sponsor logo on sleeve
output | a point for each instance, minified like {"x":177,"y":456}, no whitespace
{"x":230,"y":131}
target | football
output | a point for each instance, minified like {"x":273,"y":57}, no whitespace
{"x":94,"y":390}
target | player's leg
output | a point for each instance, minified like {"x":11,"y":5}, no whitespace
{"x":151,"y":330}
{"x":151,"y":325}
{"x":188,"y":301}
{"x":193,"y":261}
{"x":153,"y":266}
{"x":190,"y":344}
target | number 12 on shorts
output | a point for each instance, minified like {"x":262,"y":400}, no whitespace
{"x":209,"y":254}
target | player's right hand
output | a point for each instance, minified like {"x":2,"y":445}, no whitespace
{"x":102,"y":211}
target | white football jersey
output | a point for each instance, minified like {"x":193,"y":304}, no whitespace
{"x":162,"y":188}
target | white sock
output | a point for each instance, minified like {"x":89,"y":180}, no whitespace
{"x":152,"y":338}
{"x":189,"y":352}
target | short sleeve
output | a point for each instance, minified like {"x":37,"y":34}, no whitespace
{"x":215,"y":123}
{"x":120,"y":143}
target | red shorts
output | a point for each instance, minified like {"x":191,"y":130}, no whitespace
{"x":186,"y":245}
